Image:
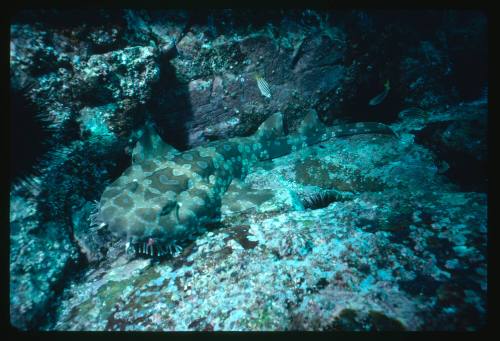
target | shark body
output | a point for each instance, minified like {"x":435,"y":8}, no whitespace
{"x":167,"y":196}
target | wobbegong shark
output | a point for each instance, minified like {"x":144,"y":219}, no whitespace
{"x":167,"y":196}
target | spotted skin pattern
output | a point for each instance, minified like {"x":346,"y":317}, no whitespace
{"x":168,"y":196}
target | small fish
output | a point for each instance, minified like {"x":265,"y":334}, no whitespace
{"x":263,"y":86}
{"x":381,"y":96}
{"x":414,"y":112}
{"x":297,"y":52}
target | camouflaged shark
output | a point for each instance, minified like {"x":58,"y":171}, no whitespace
{"x":167,"y":196}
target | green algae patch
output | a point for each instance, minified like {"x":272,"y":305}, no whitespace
{"x":110,"y":294}
{"x":314,"y":172}
{"x":103,"y":302}
{"x":265,"y":320}
{"x":308,"y":223}
{"x":82,"y":309}
{"x":261,"y":320}
{"x":145,"y":277}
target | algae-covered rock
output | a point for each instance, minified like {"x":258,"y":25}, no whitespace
{"x":225,"y":285}
{"x":127,"y":73}
{"x":39,"y":260}
{"x":368,"y":232}
{"x":457,"y":136}
{"x":290,"y":268}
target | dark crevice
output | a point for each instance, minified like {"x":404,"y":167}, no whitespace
{"x":28,"y":136}
{"x":467,"y":170}
{"x":54,"y":18}
{"x":171,"y":108}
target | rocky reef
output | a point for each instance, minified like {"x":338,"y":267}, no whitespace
{"x":367,"y":232}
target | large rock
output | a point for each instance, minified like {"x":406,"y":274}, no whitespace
{"x":457,"y":136}
{"x":402,"y":251}
{"x":40,"y":255}
{"x":51,"y":71}
{"x":127,"y":73}
{"x":217,"y":80}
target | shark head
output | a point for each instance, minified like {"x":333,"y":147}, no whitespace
{"x":161,"y":207}
{"x":163,"y":196}
{"x":137,"y":210}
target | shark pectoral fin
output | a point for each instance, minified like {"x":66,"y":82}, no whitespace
{"x":151,"y":146}
{"x":311,"y":127}
{"x":240,"y":197}
{"x":271,"y":128}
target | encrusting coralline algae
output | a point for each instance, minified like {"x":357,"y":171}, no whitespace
{"x":372,"y":262}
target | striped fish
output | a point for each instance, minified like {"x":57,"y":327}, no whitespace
{"x":263,"y":86}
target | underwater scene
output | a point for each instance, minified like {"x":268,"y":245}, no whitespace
{"x":248,"y":170}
